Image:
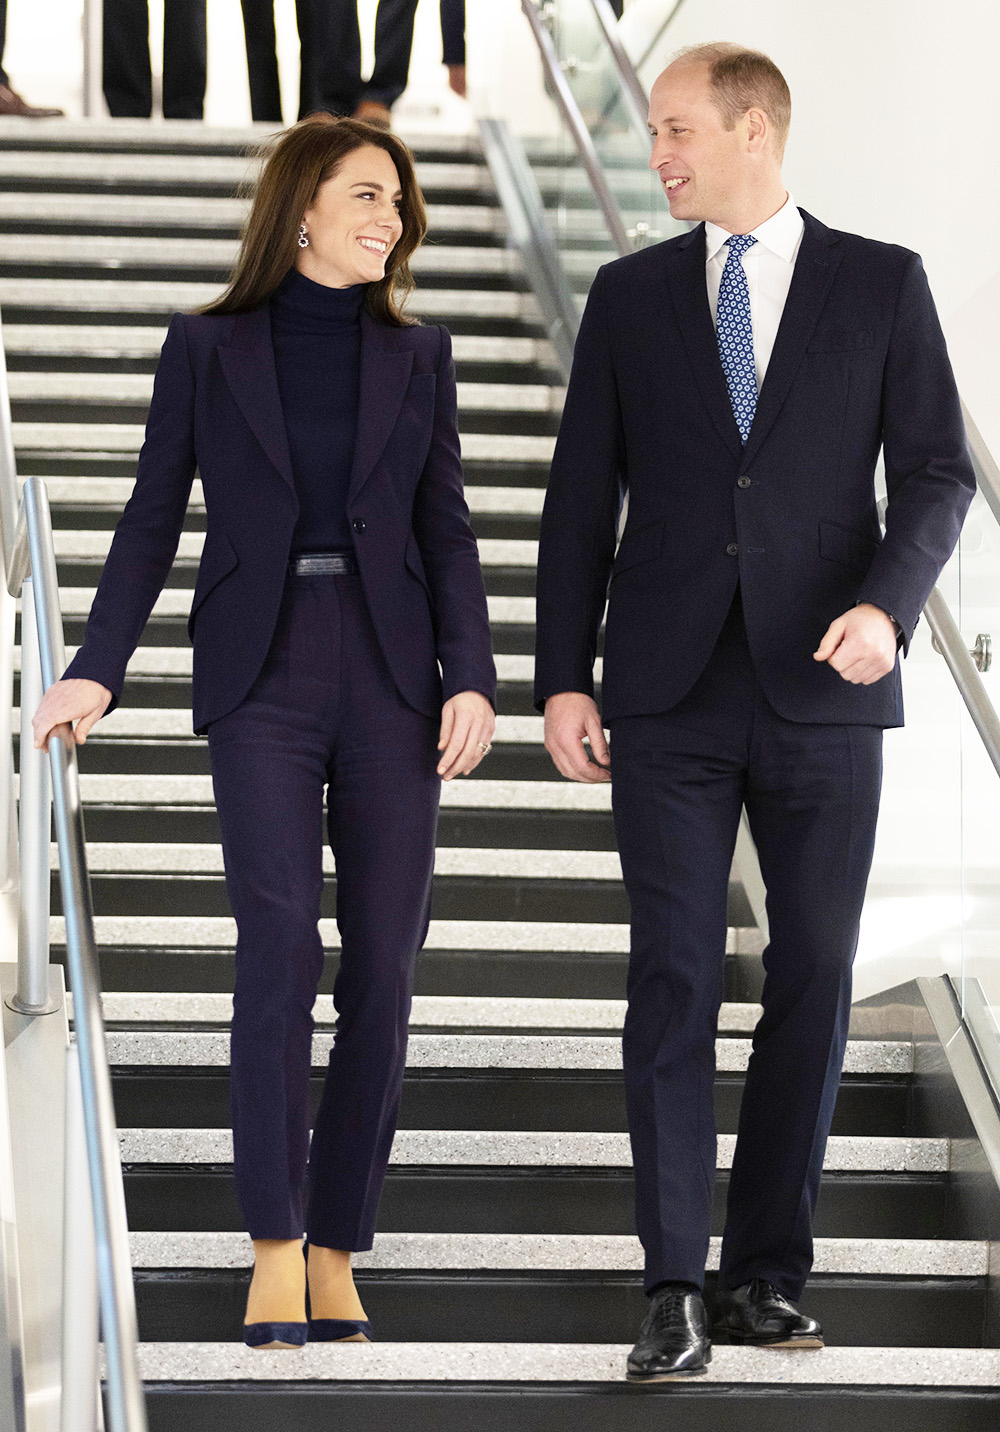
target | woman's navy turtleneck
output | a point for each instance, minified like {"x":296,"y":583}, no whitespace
{"x":316,"y":332}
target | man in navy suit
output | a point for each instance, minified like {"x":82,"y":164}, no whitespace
{"x":739,"y":382}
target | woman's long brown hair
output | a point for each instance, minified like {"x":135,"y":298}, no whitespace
{"x":295,"y":165}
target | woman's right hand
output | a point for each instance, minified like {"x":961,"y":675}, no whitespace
{"x":76,"y":700}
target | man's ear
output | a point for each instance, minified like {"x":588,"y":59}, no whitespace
{"x":758,"y":129}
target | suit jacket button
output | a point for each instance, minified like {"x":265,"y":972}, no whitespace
{"x":732,"y":549}
{"x":742,"y":482}
{"x":359,"y":524}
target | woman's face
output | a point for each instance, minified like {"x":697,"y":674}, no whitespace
{"x":353,"y":221}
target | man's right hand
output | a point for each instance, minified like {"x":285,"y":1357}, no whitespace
{"x":76,"y":700}
{"x":569,"y":717}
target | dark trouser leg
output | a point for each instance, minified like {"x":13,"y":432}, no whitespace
{"x":4,"y":80}
{"x":330,"y":40}
{"x":383,"y":803}
{"x":269,"y":760}
{"x":262,"y":60}
{"x":185,"y":59}
{"x":677,"y":794}
{"x":393,"y":45}
{"x":453,"y":32}
{"x":812,"y":799}
{"x":127,"y":79}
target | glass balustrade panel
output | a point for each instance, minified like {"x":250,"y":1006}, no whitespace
{"x":912,"y":921}
{"x":978,"y":615}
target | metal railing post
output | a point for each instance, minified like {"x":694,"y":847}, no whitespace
{"x":32,"y":995}
{"x":93,"y":70}
{"x":81,"y":1378}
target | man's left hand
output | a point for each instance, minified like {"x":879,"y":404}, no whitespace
{"x":861,"y":645}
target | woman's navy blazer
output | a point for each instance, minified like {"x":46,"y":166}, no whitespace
{"x":216,"y":407}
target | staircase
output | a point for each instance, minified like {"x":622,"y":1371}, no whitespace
{"x":505,"y":1283}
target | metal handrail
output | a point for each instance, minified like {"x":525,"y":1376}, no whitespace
{"x":575,"y":122}
{"x":26,"y":541}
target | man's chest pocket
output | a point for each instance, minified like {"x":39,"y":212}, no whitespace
{"x":840,"y":340}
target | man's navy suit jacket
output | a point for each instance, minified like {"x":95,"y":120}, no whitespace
{"x":859,"y":364}
{"x":215,"y":405}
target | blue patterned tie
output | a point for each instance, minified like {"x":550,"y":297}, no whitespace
{"x":735,"y":334}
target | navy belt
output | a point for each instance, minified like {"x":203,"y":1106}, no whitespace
{"x":323,"y":564}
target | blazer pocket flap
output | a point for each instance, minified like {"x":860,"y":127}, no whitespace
{"x":218,"y":558}
{"x":643,"y":545}
{"x":843,"y":544}
{"x":414,"y":561}
{"x":840,"y":340}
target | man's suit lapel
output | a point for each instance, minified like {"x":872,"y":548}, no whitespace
{"x":815,"y":268}
{"x":248,"y":367}
{"x":385,"y":373}
{"x":689,"y":293}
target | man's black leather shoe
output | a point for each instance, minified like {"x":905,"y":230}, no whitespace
{"x":673,"y":1341}
{"x":757,"y":1313}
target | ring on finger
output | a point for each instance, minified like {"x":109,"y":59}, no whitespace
{"x":485,"y":747}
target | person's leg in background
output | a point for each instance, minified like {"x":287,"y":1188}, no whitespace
{"x":127,"y":78}
{"x":262,"y":60}
{"x":330,"y":42}
{"x":393,"y":45}
{"x":185,"y":59}
{"x":10,"y":101}
{"x":453,"y":43}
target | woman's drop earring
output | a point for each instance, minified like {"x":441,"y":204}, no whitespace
{"x":303,"y":237}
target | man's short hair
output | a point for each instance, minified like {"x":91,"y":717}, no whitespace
{"x":743,"y":79}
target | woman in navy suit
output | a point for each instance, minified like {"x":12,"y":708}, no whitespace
{"x":341,"y":638}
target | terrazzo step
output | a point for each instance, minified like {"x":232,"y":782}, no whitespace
{"x":579,"y":1307}
{"x":566,"y":1252}
{"x":149,"y":297}
{"x":190,"y":757}
{"x":67,"y":438}
{"x":535,"y":1200}
{"x":89,"y":493}
{"x":134,"y":390}
{"x":557,"y":1387}
{"x":127,"y":723}
{"x":565,"y":1099}
{"x":42,"y":170}
{"x":156,"y":256}
{"x":203,"y":1049}
{"x":475,"y":792}
{"x":537,"y":1149}
{"x":124,"y":253}
{"x":168,"y":213}
{"x":189,"y":136}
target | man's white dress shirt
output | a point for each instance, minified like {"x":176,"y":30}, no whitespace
{"x":768,"y":265}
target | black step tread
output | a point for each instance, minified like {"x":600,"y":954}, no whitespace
{"x":471,"y":1306}
{"x":169,"y":1198}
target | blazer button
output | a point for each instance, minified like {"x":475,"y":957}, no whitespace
{"x":359,"y":524}
{"x":732,"y":549}
{"x":742,"y":482}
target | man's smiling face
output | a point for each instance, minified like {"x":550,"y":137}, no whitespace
{"x":703,"y":166}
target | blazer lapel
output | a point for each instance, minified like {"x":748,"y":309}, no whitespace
{"x":248,"y":367}
{"x":689,"y":293}
{"x":385,"y":373}
{"x":815,"y":267}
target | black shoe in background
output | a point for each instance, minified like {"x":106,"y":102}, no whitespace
{"x":758,"y":1314}
{"x":673,"y":1341}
